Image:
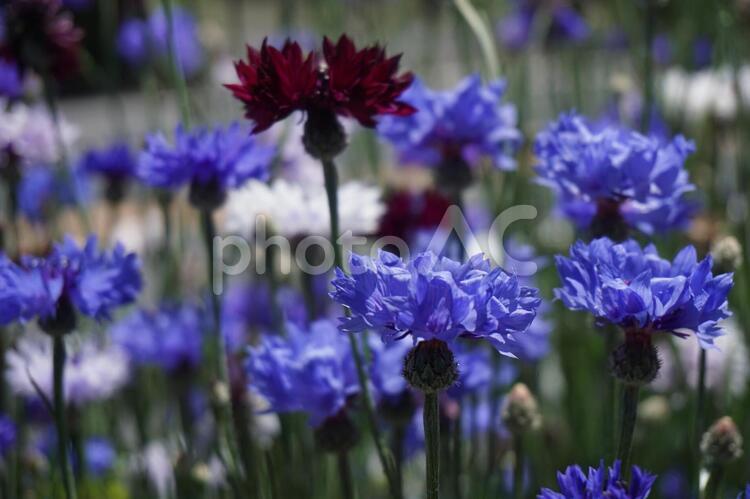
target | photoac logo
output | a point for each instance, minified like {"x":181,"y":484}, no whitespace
{"x":234,"y":254}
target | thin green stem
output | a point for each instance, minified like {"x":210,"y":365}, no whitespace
{"x":457,"y":458}
{"x":629,"y":412}
{"x":345,"y":475}
{"x":58,"y":375}
{"x":699,"y":418}
{"x":432,"y":444}
{"x":713,"y":486}
{"x":518,"y":466}
{"x":178,"y":79}
{"x":331,"y":184}
{"x":648,"y":66}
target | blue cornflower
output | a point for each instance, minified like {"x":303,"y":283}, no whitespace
{"x":99,"y":455}
{"x":601,"y":483}
{"x":385,"y":369}
{"x":466,"y":123}
{"x":8,"y":434}
{"x":70,"y":279}
{"x":212,"y":161}
{"x":170,"y":337}
{"x":309,"y":370}
{"x":11,"y":84}
{"x":140,"y":42}
{"x":634,"y":288}
{"x":116,"y":164}
{"x":611,"y":177}
{"x":517,"y":28}
{"x":433,"y":298}
{"x":475,"y":372}
{"x":43,"y":189}
{"x":746,"y":493}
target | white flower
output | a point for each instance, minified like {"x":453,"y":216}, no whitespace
{"x":301,"y":209}
{"x":29,"y":131}
{"x":710,"y":93}
{"x":91,"y":372}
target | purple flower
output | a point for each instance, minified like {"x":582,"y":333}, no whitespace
{"x":662,"y":50}
{"x":70,"y":279}
{"x":385,"y":369}
{"x":7,"y":435}
{"x":565,"y":24}
{"x":475,"y":372}
{"x":637,"y":290}
{"x":170,"y":337}
{"x":600,"y":483}
{"x":115,"y":162}
{"x":133,"y":43}
{"x":434,"y":298}
{"x":613,"y":176}
{"x":217,"y":160}
{"x":100,"y":456}
{"x":11,"y":83}
{"x":42,"y":190}
{"x":466,"y":123}
{"x":309,"y":370}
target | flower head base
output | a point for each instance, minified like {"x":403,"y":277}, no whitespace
{"x":360,"y":84}
{"x":430,"y":366}
{"x":457,"y":126}
{"x":601,"y":483}
{"x":41,"y":36}
{"x":70,"y":280}
{"x":632,"y":287}
{"x":210,"y":161}
{"x":433,"y":298}
{"x":635,"y":362}
{"x":613,"y":179}
{"x":310,"y":371}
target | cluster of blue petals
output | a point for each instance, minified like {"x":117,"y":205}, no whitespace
{"x":310,"y":370}
{"x":95,"y":282}
{"x":590,"y":167}
{"x":634,"y":288}
{"x":227,"y":157}
{"x":517,"y":29}
{"x":466,"y":123}
{"x":115,"y":162}
{"x":601,"y":483}
{"x":434,"y":298}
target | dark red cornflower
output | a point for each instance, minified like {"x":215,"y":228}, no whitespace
{"x":356,"y":83}
{"x":407,"y":213}
{"x":40,"y":35}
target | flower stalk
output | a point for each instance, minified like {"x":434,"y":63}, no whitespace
{"x":629,"y":414}
{"x":58,"y":375}
{"x":432,"y":444}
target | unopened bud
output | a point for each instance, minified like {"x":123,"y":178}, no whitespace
{"x":430,"y":366}
{"x":520,"y":412}
{"x":722,"y":443}
{"x":727,"y":254}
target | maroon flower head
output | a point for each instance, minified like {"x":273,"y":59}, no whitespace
{"x":274,"y":83}
{"x":40,"y":35}
{"x":359,"y":84}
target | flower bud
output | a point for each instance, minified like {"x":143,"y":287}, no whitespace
{"x":337,"y":433}
{"x":519,"y":411}
{"x":727,"y":254}
{"x":430,"y":366}
{"x":324,"y":137}
{"x":722,"y":443}
{"x":635,"y":362}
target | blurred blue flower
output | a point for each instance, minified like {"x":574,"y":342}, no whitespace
{"x":170,"y":337}
{"x":99,"y":456}
{"x":223,"y":158}
{"x":614,"y":175}
{"x":661,"y":49}
{"x":7,"y":434}
{"x":746,"y":493}
{"x":434,"y":298}
{"x":77,"y":4}
{"x":564,"y":23}
{"x":70,"y":278}
{"x":634,"y":288}
{"x":674,"y":485}
{"x":466,"y":123}
{"x":11,"y":84}
{"x":42,"y":190}
{"x":309,"y":370}
{"x":385,"y":369}
{"x":133,"y":43}
{"x":475,"y":372}
{"x":115,"y":162}
{"x":702,"y":52}
{"x":140,"y":42}
{"x":601,"y":483}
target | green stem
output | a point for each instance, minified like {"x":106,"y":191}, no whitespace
{"x":629,"y":414}
{"x":457,"y":459}
{"x":331,"y":183}
{"x":178,"y":79}
{"x":518,"y":467}
{"x":432,"y":444}
{"x":345,"y":475}
{"x":648,"y":67}
{"x":58,"y":374}
{"x":713,"y":486}
{"x":698,"y":418}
